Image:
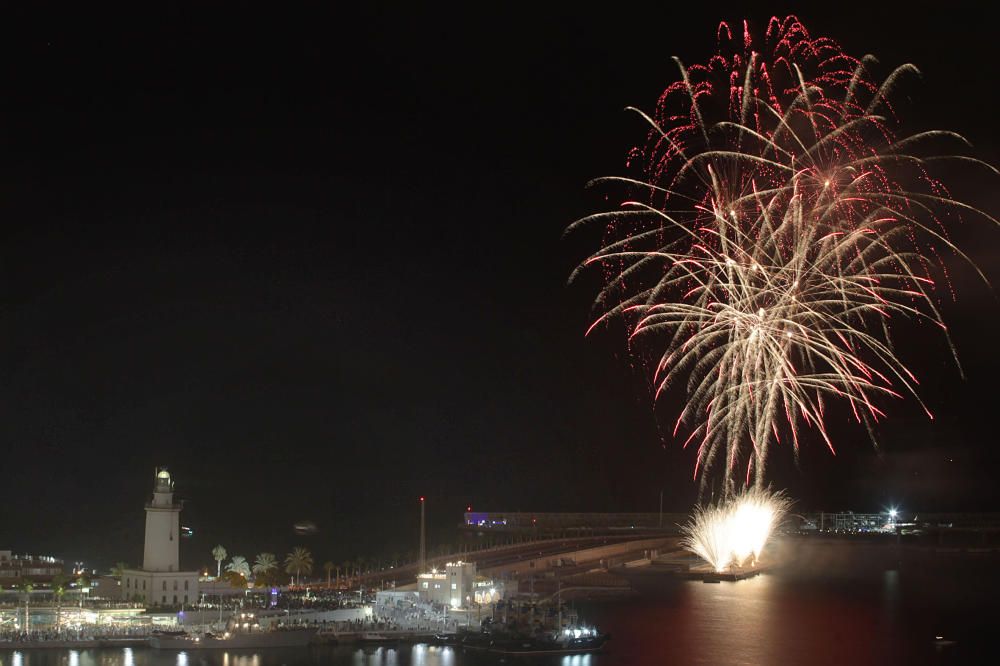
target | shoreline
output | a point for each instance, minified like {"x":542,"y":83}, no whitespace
{"x":72,"y":645}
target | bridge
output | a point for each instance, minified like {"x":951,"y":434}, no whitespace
{"x":544,"y":558}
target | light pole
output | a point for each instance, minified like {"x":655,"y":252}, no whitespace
{"x":661,"y":508}
{"x":423,"y":539}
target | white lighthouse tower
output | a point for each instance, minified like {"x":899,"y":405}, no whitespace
{"x":160,"y":581}
{"x":163,"y":525}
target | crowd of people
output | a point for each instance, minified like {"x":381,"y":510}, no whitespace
{"x":420,"y":617}
{"x":74,"y":634}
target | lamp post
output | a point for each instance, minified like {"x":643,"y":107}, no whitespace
{"x":423,"y":539}
{"x":661,"y":508}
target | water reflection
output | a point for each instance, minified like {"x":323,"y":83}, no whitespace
{"x":379,"y":656}
{"x":432,"y":655}
{"x":402,"y":655}
{"x":239,"y":659}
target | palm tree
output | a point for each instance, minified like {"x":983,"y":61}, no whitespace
{"x":26,"y":586}
{"x":299,"y":561}
{"x":264,"y":565}
{"x":329,"y":567}
{"x":119,"y":569}
{"x":219,"y":553}
{"x":82,"y":581}
{"x":239,"y":566}
{"x":347,"y":564}
{"x":59,"y":583}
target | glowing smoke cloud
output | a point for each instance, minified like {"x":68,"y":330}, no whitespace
{"x":735,"y":531}
{"x":774,"y":227}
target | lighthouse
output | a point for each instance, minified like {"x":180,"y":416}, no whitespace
{"x":160,"y":581}
{"x":163,"y":524}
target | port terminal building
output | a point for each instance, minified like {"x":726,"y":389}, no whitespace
{"x":566,"y":525}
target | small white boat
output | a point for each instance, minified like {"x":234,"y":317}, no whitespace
{"x":297,"y":637}
{"x":374,"y":639}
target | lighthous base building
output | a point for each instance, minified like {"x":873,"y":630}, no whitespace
{"x":160,"y":581}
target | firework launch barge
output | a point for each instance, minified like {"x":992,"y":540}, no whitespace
{"x":667,"y":573}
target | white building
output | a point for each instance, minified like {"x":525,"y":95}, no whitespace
{"x":160,"y":581}
{"x":452,"y":587}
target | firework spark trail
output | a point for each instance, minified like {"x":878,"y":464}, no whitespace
{"x":735,"y":531}
{"x":776,"y":226}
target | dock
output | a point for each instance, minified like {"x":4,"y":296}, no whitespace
{"x":84,"y":644}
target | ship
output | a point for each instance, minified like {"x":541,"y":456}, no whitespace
{"x":272,"y":638}
{"x":570,"y":641}
{"x":527,"y":641}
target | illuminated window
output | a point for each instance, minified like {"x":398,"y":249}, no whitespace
{"x":426,"y":585}
{"x":454,"y":586}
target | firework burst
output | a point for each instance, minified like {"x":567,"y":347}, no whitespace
{"x":774,"y":226}
{"x":735,"y":531}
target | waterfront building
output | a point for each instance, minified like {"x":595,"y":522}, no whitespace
{"x":853,"y":523}
{"x":454,"y":586}
{"x":37,"y":569}
{"x":160,"y":581}
{"x":487,"y":591}
{"x":565,"y":525}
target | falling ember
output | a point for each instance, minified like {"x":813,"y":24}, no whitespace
{"x":773,"y":225}
{"x":735,"y":531}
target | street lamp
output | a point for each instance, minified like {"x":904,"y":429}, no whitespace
{"x":891,"y":525}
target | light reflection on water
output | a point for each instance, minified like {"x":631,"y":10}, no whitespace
{"x":416,"y":655}
{"x":576,"y":660}
{"x":238,"y":659}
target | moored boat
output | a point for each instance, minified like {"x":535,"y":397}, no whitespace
{"x":278,"y":638}
{"x":502,"y":640}
{"x":570,"y":641}
{"x":446,"y":639}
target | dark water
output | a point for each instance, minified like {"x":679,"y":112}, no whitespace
{"x":834,"y":603}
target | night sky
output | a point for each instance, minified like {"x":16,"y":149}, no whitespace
{"x":312,"y":262}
